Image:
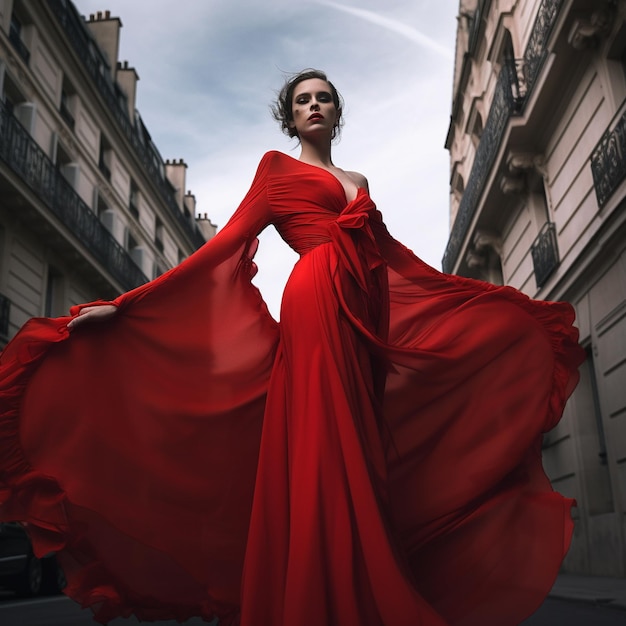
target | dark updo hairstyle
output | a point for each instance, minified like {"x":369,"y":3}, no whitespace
{"x":282,"y":109}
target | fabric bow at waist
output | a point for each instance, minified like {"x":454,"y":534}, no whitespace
{"x":354,"y":239}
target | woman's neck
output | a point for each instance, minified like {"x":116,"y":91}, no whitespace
{"x":316,"y":154}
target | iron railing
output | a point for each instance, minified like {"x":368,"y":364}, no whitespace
{"x":22,"y":154}
{"x":96,"y":66}
{"x":608,"y":161}
{"x":545,"y":254}
{"x":506,"y":104}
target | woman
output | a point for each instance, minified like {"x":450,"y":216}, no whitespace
{"x":375,"y":459}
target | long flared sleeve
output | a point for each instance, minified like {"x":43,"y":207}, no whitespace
{"x":239,"y":234}
{"x":111,"y":436}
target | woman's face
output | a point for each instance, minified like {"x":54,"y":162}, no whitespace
{"x":313,"y":108}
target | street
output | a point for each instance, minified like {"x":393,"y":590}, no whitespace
{"x":563,"y":613}
{"x":61,"y":611}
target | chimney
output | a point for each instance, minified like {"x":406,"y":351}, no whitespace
{"x":190,"y":202}
{"x":175,"y":172}
{"x":106,"y":31}
{"x":206,"y":226}
{"x":127,"y":79}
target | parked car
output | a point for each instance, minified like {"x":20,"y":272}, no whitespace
{"x":21,"y":570}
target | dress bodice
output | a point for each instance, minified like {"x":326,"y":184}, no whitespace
{"x":304,"y":201}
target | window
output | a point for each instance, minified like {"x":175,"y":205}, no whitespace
{"x":67,"y":107}
{"x":104,"y":160}
{"x":17,"y":105}
{"x":101,"y":206}
{"x":104,"y":212}
{"x":158,"y":234}
{"x":545,"y":248}
{"x":133,"y":199}
{"x":11,"y":94}
{"x":134,"y":249}
{"x":15,"y":36}
{"x":122,"y":99}
{"x":131,"y":242}
{"x":476,"y":128}
{"x":53,"y":305}
{"x":63,"y":162}
{"x":515,"y":68}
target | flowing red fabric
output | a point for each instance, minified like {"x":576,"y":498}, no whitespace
{"x":374,"y":459}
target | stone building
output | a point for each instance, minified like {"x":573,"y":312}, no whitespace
{"x":537,"y":143}
{"x":88,"y":208}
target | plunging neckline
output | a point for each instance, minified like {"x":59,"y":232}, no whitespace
{"x":358,"y":188}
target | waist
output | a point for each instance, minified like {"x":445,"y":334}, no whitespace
{"x":307,"y":244}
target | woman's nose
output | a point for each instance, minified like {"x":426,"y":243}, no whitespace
{"x":314,"y":105}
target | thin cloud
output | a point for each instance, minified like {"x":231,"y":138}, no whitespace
{"x":204,"y":96}
{"x":393,"y":25}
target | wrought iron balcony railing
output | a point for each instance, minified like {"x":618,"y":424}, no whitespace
{"x":79,"y":39}
{"x":506,"y":103}
{"x":5,"y":309}
{"x":608,"y":161}
{"x":545,"y":253}
{"x":30,"y":163}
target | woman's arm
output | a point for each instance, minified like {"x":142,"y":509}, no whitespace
{"x":250,"y":218}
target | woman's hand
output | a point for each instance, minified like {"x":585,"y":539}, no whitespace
{"x":93,"y":314}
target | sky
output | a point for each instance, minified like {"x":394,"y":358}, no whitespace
{"x":209,"y":70}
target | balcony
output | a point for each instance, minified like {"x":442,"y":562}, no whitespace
{"x":30,"y":163}
{"x":545,"y":253}
{"x":80,"y":40}
{"x":5,"y":309}
{"x":608,"y":162}
{"x":513,"y":89}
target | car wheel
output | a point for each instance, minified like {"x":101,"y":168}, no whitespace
{"x":61,"y":582}
{"x":53,"y":576}
{"x":31,"y":579}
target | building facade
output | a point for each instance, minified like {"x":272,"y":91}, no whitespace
{"x":537,"y":143}
{"x":88,"y":208}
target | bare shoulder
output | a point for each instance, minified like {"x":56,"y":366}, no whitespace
{"x":359,"y":179}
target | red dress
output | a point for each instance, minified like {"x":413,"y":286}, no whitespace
{"x":374,"y":459}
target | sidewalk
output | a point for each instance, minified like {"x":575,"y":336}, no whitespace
{"x":598,"y":590}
